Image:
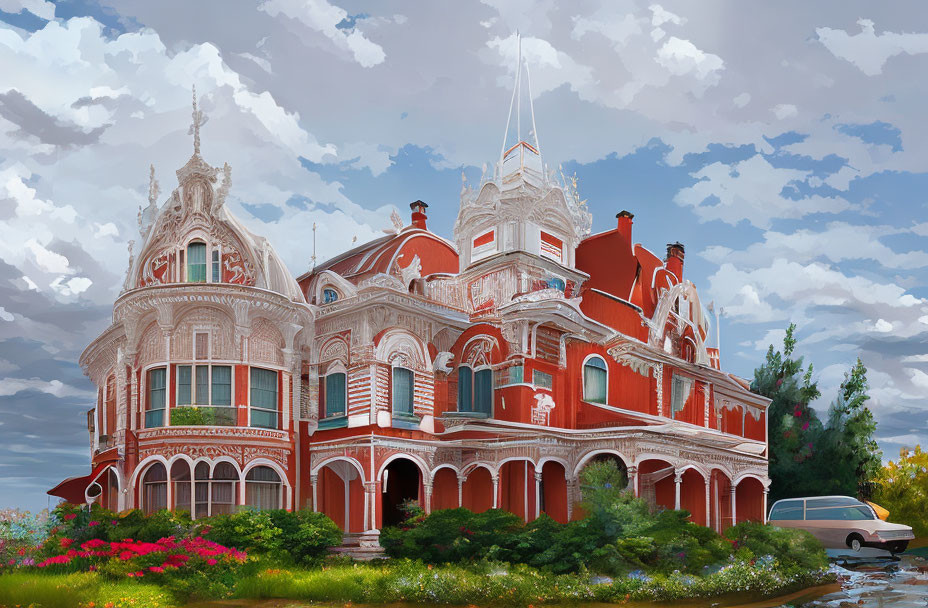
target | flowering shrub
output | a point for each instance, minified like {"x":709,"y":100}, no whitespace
{"x":20,"y":533}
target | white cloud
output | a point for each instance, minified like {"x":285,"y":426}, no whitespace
{"x":49,"y":261}
{"x":11,"y":386}
{"x":322,"y":17}
{"x":742,"y":100}
{"x":107,"y":229}
{"x":784,"y":110}
{"x":71,"y":287}
{"x":681,"y":57}
{"x":882,"y":326}
{"x":660,"y":16}
{"x":751,"y":190}
{"x":919,"y":378}
{"x":836,"y":242}
{"x":868,"y":50}
{"x":6,"y":316}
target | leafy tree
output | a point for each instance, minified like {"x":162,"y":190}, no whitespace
{"x":793,"y":425}
{"x":902,"y":488}
{"x":850,"y":456}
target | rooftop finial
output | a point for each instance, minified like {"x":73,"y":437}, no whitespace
{"x":198,"y":120}
{"x":153,"y":188}
{"x":515,"y":156}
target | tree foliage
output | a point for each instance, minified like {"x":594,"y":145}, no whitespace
{"x":807,"y":457}
{"x":902,"y":488}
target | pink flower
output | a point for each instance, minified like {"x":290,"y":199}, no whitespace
{"x":140,"y":573}
{"x":113,"y":523}
{"x":157,"y":569}
{"x":66,"y":542}
{"x":70,"y":516}
{"x":125,"y":555}
{"x":805,"y":426}
{"x":94,"y":523}
{"x":211,"y":562}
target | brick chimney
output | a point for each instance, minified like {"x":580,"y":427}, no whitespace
{"x":624,"y":221}
{"x":418,"y":214}
{"x":674,"y":261}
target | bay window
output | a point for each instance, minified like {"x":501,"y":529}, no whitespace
{"x":208,"y":389}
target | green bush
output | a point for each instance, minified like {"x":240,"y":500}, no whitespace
{"x":755,"y":541}
{"x":293,"y":537}
{"x":453,"y":535}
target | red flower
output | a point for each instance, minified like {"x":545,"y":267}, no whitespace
{"x":125,"y":555}
{"x":66,"y":542}
{"x":70,"y":516}
{"x":94,"y":523}
{"x":157,"y":569}
{"x":22,"y":551}
{"x":211,"y":562}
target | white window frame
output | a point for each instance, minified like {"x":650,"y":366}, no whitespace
{"x":277,"y":409}
{"x":583,"y":377}
{"x":337,"y":367}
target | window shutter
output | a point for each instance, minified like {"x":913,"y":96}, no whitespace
{"x":465,"y":389}
{"x":483,"y":391}
{"x":402,"y":391}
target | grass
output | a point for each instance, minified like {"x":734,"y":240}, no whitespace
{"x":408,"y":581}
{"x":85,"y":589}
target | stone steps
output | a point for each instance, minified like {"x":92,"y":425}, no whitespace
{"x":361,"y":547}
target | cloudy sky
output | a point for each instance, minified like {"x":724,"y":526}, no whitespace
{"x":785,"y":144}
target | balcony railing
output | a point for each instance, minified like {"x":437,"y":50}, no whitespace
{"x":189,"y":415}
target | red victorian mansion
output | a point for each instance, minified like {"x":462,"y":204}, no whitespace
{"x":484,"y":372}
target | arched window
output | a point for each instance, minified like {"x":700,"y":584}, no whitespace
{"x":594,"y":380}
{"x":483,"y":391}
{"x":336,"y":395}
{"x":196,"y":262}
{"x":403,"y":387}
{"x":465,"y":389}
{"x":263,"y":488}
{"x":180,"y":481}
{"x":329,"y":295}
{"x":155,"y":489}
{"x":217,"y":494}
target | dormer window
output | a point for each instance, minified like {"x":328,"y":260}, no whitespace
{"x":329,"y":295}
{"x":196,"y":262}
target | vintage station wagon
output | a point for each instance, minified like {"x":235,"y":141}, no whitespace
{"x":841,"y":522}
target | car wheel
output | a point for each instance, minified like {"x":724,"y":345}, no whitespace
{"x":855,"y":542}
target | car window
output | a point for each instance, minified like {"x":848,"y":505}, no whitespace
{"x":832,"y":501}
{"x":786,"y":509}
{"x":839,"y":513}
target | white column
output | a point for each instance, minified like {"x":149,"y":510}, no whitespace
{"x":734,"y":510}
{"x":460,"y":491}
{"x":427,"y":491}
{"x":313,"y":479}
{"x":347,"y":484}
{"x":571,"y":493}
{"x":537,"y":494}
{"x":764,"y":514}
{"x":495,"y":491}
{"x":708,"y":503}
{"x":677,"y":482}
{"x":633,"y":479}
{"x":525,"y":491}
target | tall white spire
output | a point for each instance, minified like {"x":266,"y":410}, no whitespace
{"x":522,"y":156}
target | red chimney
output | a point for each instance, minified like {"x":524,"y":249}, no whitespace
{"x":674,"y":261}
{"x":624,"y":221}
{"x":418,"y":214}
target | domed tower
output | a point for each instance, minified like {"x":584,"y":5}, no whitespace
{"x":523,"y":214}
{"x":198,"y":376}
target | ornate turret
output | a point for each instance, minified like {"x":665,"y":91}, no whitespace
{"x":522,"y":206}
{"x":192,"y":238}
